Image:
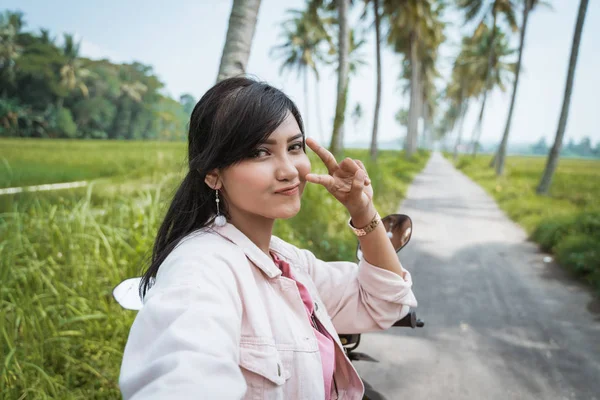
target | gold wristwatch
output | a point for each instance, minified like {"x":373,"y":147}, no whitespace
{"x":367,"y":229}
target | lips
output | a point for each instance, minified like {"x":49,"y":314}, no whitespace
{"x":290,"y":190}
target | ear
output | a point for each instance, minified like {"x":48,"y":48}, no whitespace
{"x":213,"y":180}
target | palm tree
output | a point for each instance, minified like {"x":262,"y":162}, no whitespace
{"x":428,"y":94}
{"x":73,"y":73}
{"x":485,"y":10}
{"x":337,"y":136}
{"x":11,"y":24}
{"x":45,"y":37}
{"x":356,"y":59}
{"x":552,"y":161}
{"x":460,"y":89}
{"x":341,"y":8}
{"x":430,"y":73}
{"x":377,"y":23}
{"x":410,"y":33}
{"x":240,"y":32}
{"x":130,"y":95}
{"x":303,"y":34}
{"x":489,"y":74}
{"x":501,"y":153}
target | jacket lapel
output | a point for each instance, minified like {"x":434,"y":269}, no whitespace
{"x":254,"y":254}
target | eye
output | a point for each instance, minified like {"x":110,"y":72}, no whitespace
{"x":259,"y":153}
{"x":296,"y":146}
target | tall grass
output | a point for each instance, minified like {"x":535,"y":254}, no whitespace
{"x":62,"y":335}
{"x":566,"y":223}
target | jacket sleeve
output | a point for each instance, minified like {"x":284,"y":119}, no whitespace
{"x":360,"y":297}
{"x":184,"y":342}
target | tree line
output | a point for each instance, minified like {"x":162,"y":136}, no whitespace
{"x":50,"y":90}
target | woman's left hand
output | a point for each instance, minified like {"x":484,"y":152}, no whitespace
{"x":347,"y":181}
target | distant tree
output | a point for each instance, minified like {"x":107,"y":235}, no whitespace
{"x":597,"y":150}
{"x":11,"y":24}
{"x":357,"y":115}
{"x":541,"y":147}
{"x":584,"y":147}
{"x":188,"y":102}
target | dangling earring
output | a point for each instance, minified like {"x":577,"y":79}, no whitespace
{"x":220,"y":219}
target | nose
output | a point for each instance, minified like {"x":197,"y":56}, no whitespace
{"x":286,"y":169}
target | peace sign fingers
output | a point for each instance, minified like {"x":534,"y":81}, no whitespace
{"x":324,"y":154}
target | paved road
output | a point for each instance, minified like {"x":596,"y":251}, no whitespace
{"x":500,"y":323}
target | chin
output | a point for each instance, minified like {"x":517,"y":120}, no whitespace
{"x":287,"y":212}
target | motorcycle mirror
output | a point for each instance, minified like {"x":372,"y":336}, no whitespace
{"x":127,"y":294}
{"x":399,"y":230}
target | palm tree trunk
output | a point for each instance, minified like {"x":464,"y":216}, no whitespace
{"x":552,"y":161}
{"x":488,"y":76}
{"x":378,"y":93}
{"x":460,"y":128}
{"x":492,"y":163}
{"x":413,"y":112}
{"x":419,"y":134}
{"x":337,"y":137}
{"x":242,"y":24}
{"x":501,"y":154}
{"x":426,"y":126}
{"x":477,"y":131}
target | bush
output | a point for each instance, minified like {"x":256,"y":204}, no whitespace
{"x":551,"y":231}
{"x":463,"y":163}
{"x":65,"y":126}
{"x":581,"y":254}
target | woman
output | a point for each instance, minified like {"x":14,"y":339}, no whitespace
{"x":231,"y":311}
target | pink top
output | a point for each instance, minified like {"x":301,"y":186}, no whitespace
{"x":326,"y":344}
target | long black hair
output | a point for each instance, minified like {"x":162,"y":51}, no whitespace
{"x":232,"y":118}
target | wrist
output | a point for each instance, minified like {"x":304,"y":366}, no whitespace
{"x":363,"y":217}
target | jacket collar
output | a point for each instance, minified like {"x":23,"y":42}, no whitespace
{"x":254,"y":254}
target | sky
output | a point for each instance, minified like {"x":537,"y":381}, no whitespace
{"x":183,"y":41}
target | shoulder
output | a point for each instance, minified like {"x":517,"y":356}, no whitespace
{"x":196,"y":255}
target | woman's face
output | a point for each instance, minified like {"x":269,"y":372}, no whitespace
{"x":271,"y":183}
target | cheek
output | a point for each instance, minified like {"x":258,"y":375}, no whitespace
{"x":244,"y":179}
{"x":303,"y":166}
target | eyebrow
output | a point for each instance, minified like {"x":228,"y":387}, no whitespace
{"x":272,"y":142}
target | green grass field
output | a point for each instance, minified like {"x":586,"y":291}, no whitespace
{"x":62,"y":253}
{"x":566,"y":222}
{"x":25,"y":162}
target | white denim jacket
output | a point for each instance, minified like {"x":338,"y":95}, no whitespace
{"x":221,"y":322}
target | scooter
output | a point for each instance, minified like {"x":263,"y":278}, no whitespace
{"x":399,"y":230}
